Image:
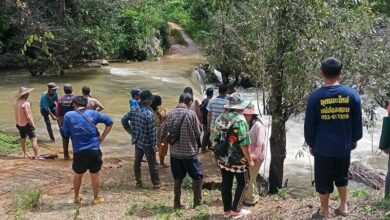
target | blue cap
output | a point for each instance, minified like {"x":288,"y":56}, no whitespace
{"x":135,"y":91}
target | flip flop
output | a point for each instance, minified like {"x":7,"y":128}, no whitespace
{"x":98,"y":201}
{"x":78,"y":200}
{"x":340,"y":213}
{"x":227,"y":214}
{"x":318,"y":215}
{"x":243,"y":213}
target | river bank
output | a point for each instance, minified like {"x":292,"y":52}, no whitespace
{"x":125,"y":201}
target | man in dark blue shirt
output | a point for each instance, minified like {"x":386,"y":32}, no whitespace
{"x":140,"y":123}
{"x":333,"y":125}
{"x":80,"y":125}
{"x":65,"y":104}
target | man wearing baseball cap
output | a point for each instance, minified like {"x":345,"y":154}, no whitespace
{"x":135,"y":94}
{"x":48,"y":107}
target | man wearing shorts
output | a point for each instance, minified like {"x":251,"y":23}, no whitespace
{"x":80,"y":125}
{"x":333,"y":125}
{"x":24,"y":121}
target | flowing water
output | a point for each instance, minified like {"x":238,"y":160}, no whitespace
{"x":111,"y":85}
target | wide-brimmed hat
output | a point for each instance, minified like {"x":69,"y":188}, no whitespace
{"x":250,"y":111}
{"x":236,"y":101}
{"x":23,"y":91}
{"x":52,"y":85}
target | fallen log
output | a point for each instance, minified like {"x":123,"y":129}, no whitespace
{"x":366,"y":175}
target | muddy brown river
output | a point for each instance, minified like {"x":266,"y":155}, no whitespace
{"x":111,"y":85}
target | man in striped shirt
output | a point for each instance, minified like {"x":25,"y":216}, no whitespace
{"x":216,"y":106}
{"x":184,"y":152}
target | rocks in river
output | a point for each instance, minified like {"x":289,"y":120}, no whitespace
{"x":103,"y":62}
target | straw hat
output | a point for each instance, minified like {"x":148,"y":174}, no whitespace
{"x":23,"y":91}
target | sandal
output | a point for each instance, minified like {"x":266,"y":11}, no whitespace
{"x":242,"y":213}
{"x":227,"y":214}
{"x":340,"y":213}
{"x":318,"y":215}
{"x":98,"y":201}
{"x":78,"y":199}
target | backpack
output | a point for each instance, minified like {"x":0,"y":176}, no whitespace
{"x":221,"y":149}
{"x":384,"y":143}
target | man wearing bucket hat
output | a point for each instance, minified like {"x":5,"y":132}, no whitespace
{"x":65,"y":105}
{"x":232,"y":154}
{"x":256,"y":149}
{"x":48,"y":107}
{"x":24,"y":120}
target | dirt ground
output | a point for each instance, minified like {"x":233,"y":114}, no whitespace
{"x":124,"y":201}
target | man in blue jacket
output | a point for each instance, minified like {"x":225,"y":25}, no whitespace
{"x":80,"y":125}
{"x":333,"y":125}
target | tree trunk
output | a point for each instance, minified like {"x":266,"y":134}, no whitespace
{"x":278,"y":130}
{"x":278,"y":137}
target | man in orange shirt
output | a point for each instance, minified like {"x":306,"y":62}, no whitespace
{"x":25,"y":122}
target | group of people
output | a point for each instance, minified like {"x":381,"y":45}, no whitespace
{"x":50,"y":107}
{"x":77,"y":118}
{"x":151,"y":127}
{"x":231,"y":129}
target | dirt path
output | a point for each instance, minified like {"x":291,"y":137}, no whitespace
{"x":55,"y":176}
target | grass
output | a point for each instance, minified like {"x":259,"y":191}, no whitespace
{"x":202,"y":213}
{"x":158,"y":211}
{"x":25,"y":199}
{"x":76,"y":213}
{"x":282,"y":193}
{"x":187,"y":183}
{"x":360,"y":194}
{"x":9,"y":144}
